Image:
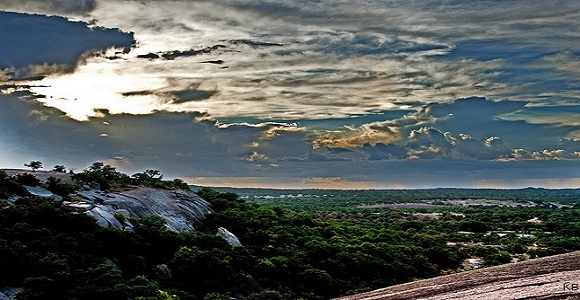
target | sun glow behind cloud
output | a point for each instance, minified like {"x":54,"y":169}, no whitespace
{"x":95,"y":86}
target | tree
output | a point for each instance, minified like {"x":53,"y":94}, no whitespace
{"x":34,"y":165}
{"x":266,"y":295}
{"x":180,"y":184}
{"x":149,"y":178}
{"x":105,"y":176}
{"x":10,"y":186}
{"x":59,"y":168}
{"x":27,"y":179}
{"x":59,"y":187}
{"x":153,"y":173}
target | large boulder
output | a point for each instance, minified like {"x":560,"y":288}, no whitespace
{"x":182,"y":210}
{"x":105,"y":217}
{"x":9,"y":293}
{"x":231,"y":238}
{"x":43,"y":193}
{"x":163,"y":272}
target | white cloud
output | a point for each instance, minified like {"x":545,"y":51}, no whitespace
{"x":557,"y":154}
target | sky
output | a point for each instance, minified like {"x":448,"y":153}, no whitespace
{"x":297,"y":93}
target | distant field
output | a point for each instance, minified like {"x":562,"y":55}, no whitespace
{"x":321,"y":200}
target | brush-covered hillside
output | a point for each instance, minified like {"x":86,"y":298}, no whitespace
{"x":102,"y":234}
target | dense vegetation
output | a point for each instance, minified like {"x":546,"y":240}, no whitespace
{"x":286,"y":253}
{"x":107,"y":177}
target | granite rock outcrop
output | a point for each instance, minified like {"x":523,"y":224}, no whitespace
{"x":231,"y":238}
{"x":182,"y":210}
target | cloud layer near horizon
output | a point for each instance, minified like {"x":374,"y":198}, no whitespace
{"x":304,"y":95}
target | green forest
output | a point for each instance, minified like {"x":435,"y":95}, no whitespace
{"x":319,"y":245}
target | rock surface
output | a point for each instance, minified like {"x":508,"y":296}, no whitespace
{"x":554,"y":277}
{"x":231,"y":238}
{"x":163,"y":272}
{"x":9,"y":293}
{"x":182,"y":210}
{"x":43,"y":193}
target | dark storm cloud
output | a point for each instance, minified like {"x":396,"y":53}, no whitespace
{"x":227,"y":46}
{"x":170,"y":55}
{"x":170,"y":141}
{"x":39,"y":45}
{"x":178,"y":145}
{"x":171,"y":96}
{"x":30,"y":130}
{"x":254,"y":44}
{"x":192,"y":95}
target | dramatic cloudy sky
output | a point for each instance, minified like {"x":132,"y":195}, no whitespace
{"x":297,"y":93}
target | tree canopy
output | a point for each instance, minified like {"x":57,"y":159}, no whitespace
{"x":34,"y":165}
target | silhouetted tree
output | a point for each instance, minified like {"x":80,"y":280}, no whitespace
{"x":59,"y":168}
{"x":34,"y":165}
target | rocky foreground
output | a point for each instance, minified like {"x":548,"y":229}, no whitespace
{"x":554,"y":277}
{"x":181,"y":209}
